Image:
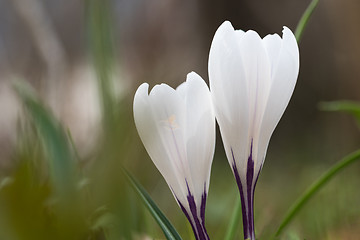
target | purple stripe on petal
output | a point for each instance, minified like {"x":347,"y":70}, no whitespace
{"x":243,"y":208}
{"x":202,"y":210}
{"x":201,"y":231}
{"x":203,"y":204}
{"x":249,"y":184}
{"x":188,"y":217}
{"x":250,"y":170}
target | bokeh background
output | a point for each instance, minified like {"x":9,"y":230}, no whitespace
{"x":52,"y":45}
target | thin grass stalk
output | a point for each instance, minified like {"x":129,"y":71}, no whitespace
{"x":314,"y":188}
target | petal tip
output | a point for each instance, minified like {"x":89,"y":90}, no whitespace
{"x":290,"y":39}
{"x":252,"y":33}
{"x":227,"y":23}
{"x":193,"y":75}
{"x":160,"y":88}
{"x":143,"y":89}
{"x":195,"y":80}
{"x":285,"y":28}
{"x":287,"y":32}
{"x":225,"y":27}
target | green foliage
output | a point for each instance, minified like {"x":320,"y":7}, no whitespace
{"x":40,"y":200}
{"x":98,"y":16}
{"x":316,"y":187}
{"x":51,"y":195}
{"x":54,"y":138}
{"x":52,"y":192}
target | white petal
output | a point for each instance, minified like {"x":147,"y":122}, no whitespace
{"x":284,"y":75}
{"x":239,"y":35}
{"x":200,"y":132}
{"x":258,"y":76}
{"x":272,"y":43}
{"x":229,"y":89}
{"x":159,"y":119}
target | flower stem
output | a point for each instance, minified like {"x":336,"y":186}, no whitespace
{"x":314,"y":188}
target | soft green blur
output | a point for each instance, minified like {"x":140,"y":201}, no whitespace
{"x":52,"y":190}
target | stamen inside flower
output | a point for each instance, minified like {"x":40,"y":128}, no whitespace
{"x":170,"y":123}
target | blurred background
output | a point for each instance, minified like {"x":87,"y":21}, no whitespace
{"x":85,"y":60}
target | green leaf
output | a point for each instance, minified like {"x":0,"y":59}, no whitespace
{"x":305,"y":19}
{"x":168,"y":229}
{"x":101,"y":48}
{"x":314,"y":188}
{"x":350,"y":107}
{"x":54,"y":138}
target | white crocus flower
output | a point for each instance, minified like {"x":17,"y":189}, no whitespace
{"x":177,"y":128}
{"x":251,"y":82}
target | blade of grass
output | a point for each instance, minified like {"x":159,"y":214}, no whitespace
{"x":54,"y":138}
{"x":305,"y":19}
{"x":168,"y":229}
{"x":98,"y":16}
{"x":314,"y":188}
{"x":234,"y":222}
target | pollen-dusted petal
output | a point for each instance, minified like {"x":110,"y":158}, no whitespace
{"x":229,"y":88}
{"x":200,"y":132}
{"x":283,"y":83}
{"x":159,"y":118}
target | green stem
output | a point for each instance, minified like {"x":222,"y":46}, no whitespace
{"x":234,"y":222}
{"x":315,"y":187}
{"x":304,"y":19}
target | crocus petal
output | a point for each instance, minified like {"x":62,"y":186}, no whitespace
{"x":273,"y":43}
{"x":200,"y":131}
{"x":153,"y":125}
{"x":257,"y":74}
{"x":229,"y":90}
{"x":284,"y":74}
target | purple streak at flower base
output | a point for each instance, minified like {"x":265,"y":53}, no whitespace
{"x":250,"y":190}
{"x":197,"y":224}
{"x":247,"y":195}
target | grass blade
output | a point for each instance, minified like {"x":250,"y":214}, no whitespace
{"x":168,"y":229}
{"x":314,"y":188}
{"x":101,"y":47}
{"x":305,"y":19}
{"x":54,"y":138}
{"x":234,"y":222}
